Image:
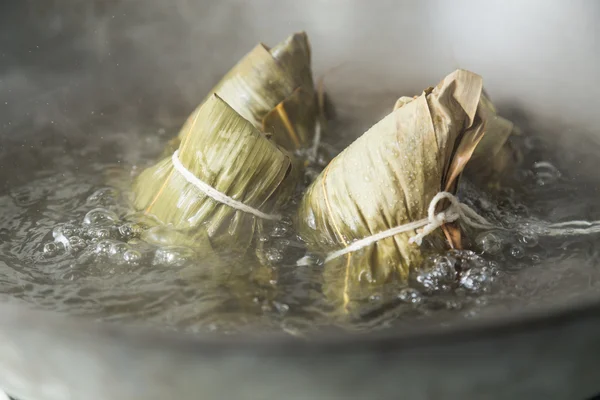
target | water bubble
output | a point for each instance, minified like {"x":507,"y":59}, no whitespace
{"x":97,"y":233}
{"x":102,"y":233}
{"x":65,"y":231}
{"x":129,"y":230}
{"x":117,"y":249}
{"x":410,"y":295}
{"x":528,"y":238}
{"x":273,"y":255}
{"x":489,"y":242}
{"x":467,"y":260}
{"x":173,"y":256}
{"x":517,"y":251}
{"x":100,"y":217}
{"x":77,"y":243}
{"x":477,"y":280}
{"x":50,"y":249}
{"x":103,"y":247}
{"x":126,"y":231}
{"x":132,"y":257}
{"x":69,"y":230}
{"x":438,"y":274}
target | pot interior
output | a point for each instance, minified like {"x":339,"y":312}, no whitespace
{"x":90,"y":93}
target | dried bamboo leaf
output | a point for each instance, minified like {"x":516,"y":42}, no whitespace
{"x":388,"y":177}
{"x":227,"y":152}
{"x":274,"y":90}
{"x":495,"y":154}
{"x":294,"y":57}
{"x":255,"y":85}
{"x":300,"y":106}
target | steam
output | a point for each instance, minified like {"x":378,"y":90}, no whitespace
{"x":64,"y":61}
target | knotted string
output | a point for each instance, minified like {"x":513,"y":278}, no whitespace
{"x":215,"y":194}
{"x":468,"y":216}
{"x":433,"y":221}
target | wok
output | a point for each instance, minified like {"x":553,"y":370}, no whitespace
{"x":63,"y":61}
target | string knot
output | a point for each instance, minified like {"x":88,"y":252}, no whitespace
{"x":451,"y":214}
{"x":456,"y":210}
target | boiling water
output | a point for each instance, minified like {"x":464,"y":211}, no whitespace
{"x":69,"y":243}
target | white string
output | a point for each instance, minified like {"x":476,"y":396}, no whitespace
{"x":570,"y":228}
{"x":458,"y":210}
{"x":215,"y":194}
{"x":433,"y":221}
{"x":316,"y":140}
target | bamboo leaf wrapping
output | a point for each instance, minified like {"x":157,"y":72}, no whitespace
{"x":495,"y":154}
{"x":388,"y":177}
{"x":274,"y":90}
{"x":227,"y":152}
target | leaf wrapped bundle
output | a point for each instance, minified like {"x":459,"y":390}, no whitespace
{"x":227,"y":152}
{"x":387,"y":178}
{"x":274,"y":90}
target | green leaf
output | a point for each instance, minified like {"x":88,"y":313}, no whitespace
{"x":228,"y":153}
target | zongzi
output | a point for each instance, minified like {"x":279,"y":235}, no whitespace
{"x":387,"y":178}
{"x":224,"y":177}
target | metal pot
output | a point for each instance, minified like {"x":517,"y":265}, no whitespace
{"x":61,"y":60}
